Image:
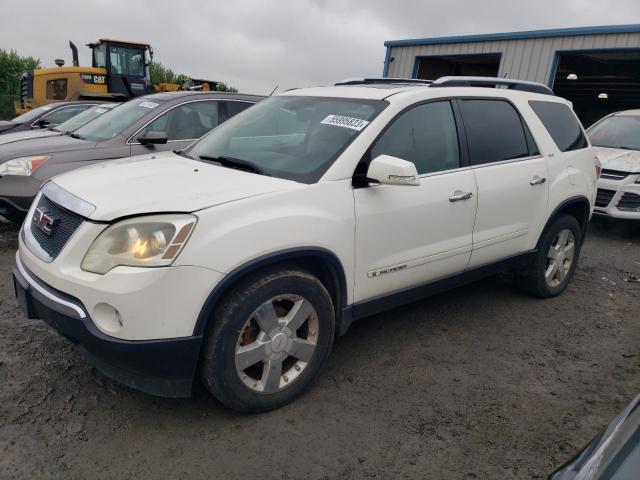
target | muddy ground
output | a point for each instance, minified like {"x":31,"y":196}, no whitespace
{"x":482,"y":382}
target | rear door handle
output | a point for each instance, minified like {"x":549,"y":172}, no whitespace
{"x":537,"y":180}
{"x":460,"y":195}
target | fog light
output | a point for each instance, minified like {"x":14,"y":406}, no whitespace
{"x":107,"y":318}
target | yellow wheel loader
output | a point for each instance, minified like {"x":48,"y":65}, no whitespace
{"x":119,"y":71}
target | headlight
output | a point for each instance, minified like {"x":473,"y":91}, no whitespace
{"x":153,"y":241}
{"x":22,"y":166}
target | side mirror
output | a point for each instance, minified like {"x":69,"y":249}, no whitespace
{"x":41,"y":123}
{"x":390,"y":170}
{"x":153,"y":138}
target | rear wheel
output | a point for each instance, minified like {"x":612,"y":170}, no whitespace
{"x":268,"y":340}
{"x":556,"y":259}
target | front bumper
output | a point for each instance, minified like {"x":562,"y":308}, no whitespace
{"x":164,"y":367}
{"x":616,"y":190}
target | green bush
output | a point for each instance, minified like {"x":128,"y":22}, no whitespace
{"x":11,"y":67}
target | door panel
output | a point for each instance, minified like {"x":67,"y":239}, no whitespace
{"x":510,"y":209}
{"x":406,"y":236}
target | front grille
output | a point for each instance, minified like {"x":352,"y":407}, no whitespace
{"x":613,"y":175}
{"x":603,"y":198}
{"x":629,"y":201}
{"x":65,"y":224}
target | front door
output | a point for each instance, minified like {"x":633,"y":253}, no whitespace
{"x":409,"y":235}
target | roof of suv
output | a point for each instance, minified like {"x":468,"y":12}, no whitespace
{"x":382,"y":88}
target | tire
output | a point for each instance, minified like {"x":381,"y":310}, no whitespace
{"x":249,"y":324}
{"x":537,"y":282}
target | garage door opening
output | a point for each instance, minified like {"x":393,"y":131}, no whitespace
{"x":599,"y":83}
{"x":479,"y":65}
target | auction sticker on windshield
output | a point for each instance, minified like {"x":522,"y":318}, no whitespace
{"x":346,"y":122}
{"x":148,"y":104}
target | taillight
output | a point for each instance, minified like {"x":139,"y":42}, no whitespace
{"x":598,"y":165}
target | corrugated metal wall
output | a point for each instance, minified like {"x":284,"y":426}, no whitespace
{"x":528,"y":59}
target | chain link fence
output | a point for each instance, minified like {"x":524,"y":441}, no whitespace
{"x":7,"y":109}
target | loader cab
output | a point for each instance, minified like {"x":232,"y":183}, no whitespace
{"x":127,"y":66}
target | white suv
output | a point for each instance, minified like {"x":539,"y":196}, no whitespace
{"x":241,"y":258}
{"x":616,"y":139}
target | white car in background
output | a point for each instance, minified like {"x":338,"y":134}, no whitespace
{"x":617,"y":141}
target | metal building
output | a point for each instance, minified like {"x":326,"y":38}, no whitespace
{"x":597,"y":68}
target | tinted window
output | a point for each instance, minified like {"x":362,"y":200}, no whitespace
{"x":234,"y":108}
{"x":561,"y":124}
{"x":63,"y":114}
{"x":425,"y":135}
{"x":494,"y":131}
{"x":186,"y":122}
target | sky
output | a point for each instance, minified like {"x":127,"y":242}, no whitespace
{"x":256,"y":45}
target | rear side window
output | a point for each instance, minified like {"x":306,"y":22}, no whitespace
{"x":494,"y":131}
{"x":425,"y":135}
{"x":235,"y":107}
{"x":561,"y":124}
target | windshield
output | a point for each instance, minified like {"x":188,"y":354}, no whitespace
{"x":619,"y":131}
{"x":82,"y":118}
{"x":116,"y":121}
{"x":296,"y":138}
{"x":32,"y":114}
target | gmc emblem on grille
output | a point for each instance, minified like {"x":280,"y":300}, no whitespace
{"x":44,"y":221}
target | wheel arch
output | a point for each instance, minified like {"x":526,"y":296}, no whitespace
{"x":578,"y":207}
{"x":321,"y":262}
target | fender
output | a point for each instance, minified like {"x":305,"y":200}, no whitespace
{"x":269,"y":259}
{"x":578,"y":200}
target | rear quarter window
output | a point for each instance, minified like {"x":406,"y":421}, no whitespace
{"x":561,"y":123}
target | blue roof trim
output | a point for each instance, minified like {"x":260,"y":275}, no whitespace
{"x":492,"y":37}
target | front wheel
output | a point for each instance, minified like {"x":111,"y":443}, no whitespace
{"x":268,"y":340}
{"x":556,"y":260}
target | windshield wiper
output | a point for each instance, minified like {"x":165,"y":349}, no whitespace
{"x":236,"y":163}
{"x":182,"y":153}
{"x":75,"y":135}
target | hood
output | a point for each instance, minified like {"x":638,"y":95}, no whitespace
{"x":620,"y":160}
{"x":163,"y":182}
{"x":43,"y":146}
{"x":27,"y":135}
{"x":7,"y":125}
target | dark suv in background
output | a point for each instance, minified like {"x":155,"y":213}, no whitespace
{"x":157,"y":122}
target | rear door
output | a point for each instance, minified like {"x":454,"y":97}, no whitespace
{"x":511,"y":176}
{"x":409,"y":235}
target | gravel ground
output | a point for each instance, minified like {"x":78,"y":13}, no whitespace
{"x":479,"y":383}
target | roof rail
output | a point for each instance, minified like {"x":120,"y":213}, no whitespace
{"x":511,"y":84}
{"x":374,"y":81}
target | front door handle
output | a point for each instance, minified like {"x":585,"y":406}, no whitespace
{"x":460,"y":195}
{"x":537,"y":180}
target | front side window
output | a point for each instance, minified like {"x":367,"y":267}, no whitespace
{"x":186,"y":122}
{"x":494,"y":131}
{"x":425,"y":135}
{"x":618,"y":131}
{"x":63,"y":114}
{"x":561,"y":124}
{"x":119,"y":119}
{"x":126,"y":61}
{"x":297,"y":138}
